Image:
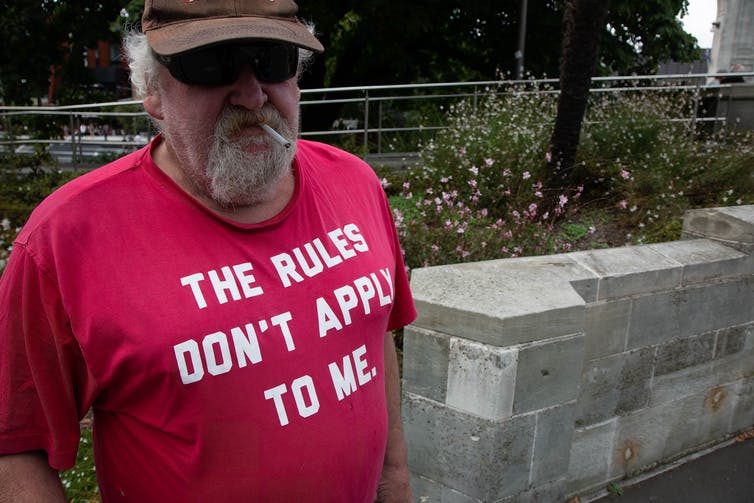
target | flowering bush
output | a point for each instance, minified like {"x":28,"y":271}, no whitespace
{"x":479,"y":192}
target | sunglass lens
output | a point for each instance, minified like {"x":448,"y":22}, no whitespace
{"x":221,"y":65}
{"x":276,"y":63}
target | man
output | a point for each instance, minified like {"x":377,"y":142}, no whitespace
{"x":220,"y":298}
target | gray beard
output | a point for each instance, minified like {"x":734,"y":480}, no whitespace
{"x":236,"y":178}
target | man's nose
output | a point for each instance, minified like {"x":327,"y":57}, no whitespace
{"x":247,"y":91}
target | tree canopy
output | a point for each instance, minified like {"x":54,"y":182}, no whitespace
{"x":45,"y":34}
{"x":390,"y":41}
{"x":367,"y":42}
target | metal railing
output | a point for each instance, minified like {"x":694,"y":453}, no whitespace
{"x":367,"y":117}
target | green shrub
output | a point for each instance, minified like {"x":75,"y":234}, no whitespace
{"x":23,"y":185}
{"x":479,"y":193}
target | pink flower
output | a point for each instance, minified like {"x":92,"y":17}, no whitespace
{"x":548,"y":156}
{"x":623,"y":204}
{"x":526,"y":175}
{"x":489,"y":162}
{"x":533,"y":209}
{"x":474,"y":170}
{"x":562,"y":200}
{"x":625,"y":174}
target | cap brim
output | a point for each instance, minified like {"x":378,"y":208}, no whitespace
{"x":181,"y":37}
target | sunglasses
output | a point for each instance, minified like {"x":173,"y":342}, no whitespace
{"x":220,"y":65}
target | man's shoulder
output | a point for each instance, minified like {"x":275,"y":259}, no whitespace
{"x":322,"y":157}
{"x":77,"y":194}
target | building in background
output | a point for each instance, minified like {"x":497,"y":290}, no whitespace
{"x":733,"y":39}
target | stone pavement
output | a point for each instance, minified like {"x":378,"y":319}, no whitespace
{"x":724,"y":475}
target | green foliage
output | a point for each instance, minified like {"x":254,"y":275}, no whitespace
{"x":388,"y":41}
{"x":478,"y":194}
{"x":80,"y":482}
{"x":614,"y":489}
{"x":23,"y":185}
{"x":38,"y":36}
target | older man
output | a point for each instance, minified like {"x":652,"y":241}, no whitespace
{"x":220,"y":298}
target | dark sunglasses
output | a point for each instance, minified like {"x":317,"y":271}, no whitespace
{"x":220,"y":65}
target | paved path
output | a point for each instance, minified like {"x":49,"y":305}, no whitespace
{"x":725,"y":475}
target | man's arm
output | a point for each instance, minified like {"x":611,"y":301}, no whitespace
{"x":27,"y":478}
{"x":395,"y":486}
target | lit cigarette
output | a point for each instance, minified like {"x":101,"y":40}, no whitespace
{"x":277,"y":136}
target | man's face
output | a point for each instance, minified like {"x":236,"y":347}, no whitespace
{"x":214,"y":134}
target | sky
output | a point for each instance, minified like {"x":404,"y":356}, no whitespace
{"x":699,"y":21}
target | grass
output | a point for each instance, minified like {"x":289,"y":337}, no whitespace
{"x":80,"y":482}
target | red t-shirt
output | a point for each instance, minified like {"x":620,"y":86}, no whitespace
{"x":224,"y":362}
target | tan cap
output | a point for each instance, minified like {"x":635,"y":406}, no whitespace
{"x":176,"y":26}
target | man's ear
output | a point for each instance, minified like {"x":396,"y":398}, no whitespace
{"x":153,"y":106}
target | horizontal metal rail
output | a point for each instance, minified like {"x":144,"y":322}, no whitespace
{"x":372,"y":128}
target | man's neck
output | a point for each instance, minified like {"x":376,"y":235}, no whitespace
{"x":273,"y":203}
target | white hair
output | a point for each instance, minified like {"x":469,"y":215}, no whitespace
{"x":144,"y":66}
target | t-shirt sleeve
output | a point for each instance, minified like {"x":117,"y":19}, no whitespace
{"x":45,"y":387}
{"x":403,"y":311}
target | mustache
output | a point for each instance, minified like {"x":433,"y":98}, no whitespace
{"x":235,"y":119}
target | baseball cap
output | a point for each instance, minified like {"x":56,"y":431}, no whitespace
{"x":176,"y":26}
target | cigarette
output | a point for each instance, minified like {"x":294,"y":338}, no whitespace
{"x":277,"y":136}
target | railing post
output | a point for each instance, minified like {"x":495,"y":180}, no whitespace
{"x":366,"y":123}
{"x":695,"y":112}
{"x":9,"y":134}
{"x":379,"y":128}
{"x":74,"y":130}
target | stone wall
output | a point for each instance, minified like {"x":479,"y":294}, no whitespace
{"x":539,"y":378}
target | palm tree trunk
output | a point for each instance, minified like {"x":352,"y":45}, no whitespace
{"x":583,"y":23}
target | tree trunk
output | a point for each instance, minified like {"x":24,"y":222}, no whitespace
{"x":583,"y":24}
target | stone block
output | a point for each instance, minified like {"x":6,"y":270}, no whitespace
{"x":630,"y":270}
{"x":429,"y":491}
{"x":615,"y":385}
{"x":733,"y":226}
{"x":742,"y":417}
{"x":641,"y":438}
{"x":425,"y":362}
{"x":481,"y":379}
{"x":548,"y":374}
{"x":705,"y":260}
{"x":606,"y":328}
{"x":718,"y":305}
{"x":684,"y":352}
{"x":691,"y":381}
{"x":689,"y":311}
{"x":734,"y":367}
{"x":552,"y":444}
{"x":704,"y":421}
{"x":501,"y":302}
{"x":590,"y":457}
{"x":483,"y":459}
{"x":654,"y":319}
{"x":731,"y":340}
